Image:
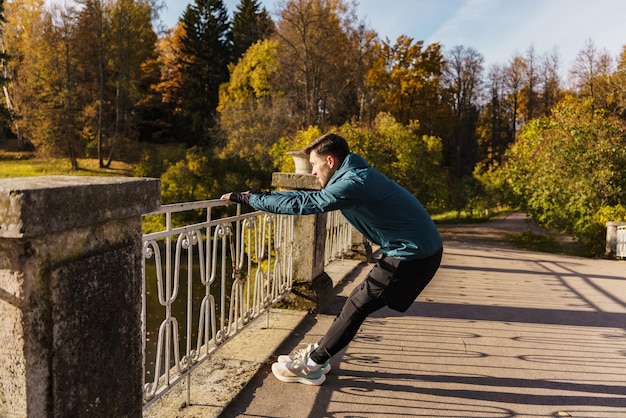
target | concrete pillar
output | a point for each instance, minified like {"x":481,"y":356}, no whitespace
{"x":70,"y":295}
{"x":311,"y":283}
{"x":611,"y":237}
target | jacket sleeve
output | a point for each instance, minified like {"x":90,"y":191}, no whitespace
{"x":293,"y":203}
{"x":340,"y":195}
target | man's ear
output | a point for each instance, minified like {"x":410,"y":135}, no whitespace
{"x":331,"y":161}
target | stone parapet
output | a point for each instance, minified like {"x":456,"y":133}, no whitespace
{"x":34,"y":206}
{"x":293,"y":181}
{"x":311,"y":283}
{"x":70,"y":295}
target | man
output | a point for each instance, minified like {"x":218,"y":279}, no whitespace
{"x":386,"y":214}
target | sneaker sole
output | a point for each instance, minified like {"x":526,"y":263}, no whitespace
{"x":297,"y":379}
{"x":284,"y":359}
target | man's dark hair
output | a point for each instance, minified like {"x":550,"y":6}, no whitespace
{"x":330,"y":144}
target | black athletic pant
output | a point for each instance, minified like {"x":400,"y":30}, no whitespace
{"x":392,"y":282}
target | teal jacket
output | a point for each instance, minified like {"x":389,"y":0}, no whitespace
{"x":378,"y":207}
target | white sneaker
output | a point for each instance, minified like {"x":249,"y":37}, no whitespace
{"x":302,"y":355}
{"x":296,"y":371}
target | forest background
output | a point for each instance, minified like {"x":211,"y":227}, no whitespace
{"x":215,"y":103}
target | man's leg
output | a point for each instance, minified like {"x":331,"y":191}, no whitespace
{"x":391,"y":281}
{"x":365,"y":299}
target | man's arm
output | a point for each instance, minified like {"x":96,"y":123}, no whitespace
{"x":242,"y":197}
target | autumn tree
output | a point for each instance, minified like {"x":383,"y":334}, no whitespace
{"x":79,"y":71}
{"x":163,"y":105}
{"x":540,"y":87}
{"x":132,"y":44}
{"x":529,"y":87}
{"x":617,"y":85}
{"x":590,"y":73}
{"x":250,"y":24}
{"x":552,"y":91}
{"x":206,"y":51}
{"x":6,"y":114}
{"x":405,"y":79}
{"x":531,"y":83}
{"x":319,"y":57}
{"x":23,"y":44}
{"x":514,"y":78}
{"x":494,"y":131}
{"x":55,"y":116}
{"x":92,"y":26}
{"x":463,"y":78}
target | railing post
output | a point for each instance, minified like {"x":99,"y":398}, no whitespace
{"x":310,"y":283}
{"x":70,"y":295}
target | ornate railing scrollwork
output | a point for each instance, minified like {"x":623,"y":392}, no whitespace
{"x":211,"y":279}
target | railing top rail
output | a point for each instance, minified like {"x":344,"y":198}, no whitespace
{"x":185,"y":206}
{"x":200,"y":225}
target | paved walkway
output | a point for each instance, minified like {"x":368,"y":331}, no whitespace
{"x":498,"y":333}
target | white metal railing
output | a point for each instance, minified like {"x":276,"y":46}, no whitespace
{"x":620,"y":250}
{"x":338,"y":237}
{"x":210,"y":278}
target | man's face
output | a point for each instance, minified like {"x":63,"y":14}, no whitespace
{"x":324,"y":166}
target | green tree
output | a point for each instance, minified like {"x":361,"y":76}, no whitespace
{"x":250,"y":24}
{"x":402,"y":153}
{"x":206,"y":49}
{"x":566,"y":167}
{"x":617,"y":103}
{"x":254,"y":113}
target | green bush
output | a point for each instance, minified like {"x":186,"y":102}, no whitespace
{"x":567,"y":167}
{"x":593,"y":233}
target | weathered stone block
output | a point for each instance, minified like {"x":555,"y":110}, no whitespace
{"x":70,"y":295}
{"x":32,"y":206}
{"x":293,"y":181}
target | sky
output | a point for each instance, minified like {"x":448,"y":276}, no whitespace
{"x":497,"y":29}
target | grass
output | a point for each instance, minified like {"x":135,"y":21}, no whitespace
{"x":465,"y":217}
{"x":29,"y":167}
{"x":548,"y":244}
{"x":536,"y":242}
{"x":16,"y":163}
